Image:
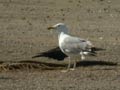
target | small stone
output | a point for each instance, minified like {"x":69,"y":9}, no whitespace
{"x":101,"y":38}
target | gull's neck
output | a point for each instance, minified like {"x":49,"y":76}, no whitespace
{"x":62,"y":33}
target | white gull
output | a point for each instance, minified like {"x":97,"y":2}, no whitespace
{"x":71,"y":45}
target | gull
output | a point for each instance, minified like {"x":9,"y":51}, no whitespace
{"x":71,"y":45}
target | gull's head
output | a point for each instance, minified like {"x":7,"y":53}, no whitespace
{"x":60,"y":27}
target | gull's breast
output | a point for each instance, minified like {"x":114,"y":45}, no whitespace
{"x":62,"y":37}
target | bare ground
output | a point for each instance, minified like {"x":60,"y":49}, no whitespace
{"x":23,"y":34}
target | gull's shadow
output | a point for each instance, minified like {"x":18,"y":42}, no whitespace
{"x":81,"y":63}
{"x":57,"y":66}
{"x":42,"y":63}
{"x":94,"y":63}
{"x":25,"y":65}
{"x":54,"y":53}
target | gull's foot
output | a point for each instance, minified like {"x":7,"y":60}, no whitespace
{"x":64,"y":71}
{"x":72,"y":69}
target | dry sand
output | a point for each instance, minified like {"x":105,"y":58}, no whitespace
{"x":23,"y":34}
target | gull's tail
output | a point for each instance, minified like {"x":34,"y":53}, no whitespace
{"x":93,"y":51}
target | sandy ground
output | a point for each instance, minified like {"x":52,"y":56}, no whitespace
{"x":23,"y":34}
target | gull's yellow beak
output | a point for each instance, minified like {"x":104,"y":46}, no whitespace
{"x":49,"y":28}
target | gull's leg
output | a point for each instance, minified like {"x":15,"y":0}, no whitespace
{"x":68,"y":68}
{"x":69,"y":64}
{"x":74,"y":65}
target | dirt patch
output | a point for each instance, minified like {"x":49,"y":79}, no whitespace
{"x":24,"y":34}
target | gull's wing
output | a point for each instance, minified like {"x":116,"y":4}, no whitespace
{"x":75,"y":45}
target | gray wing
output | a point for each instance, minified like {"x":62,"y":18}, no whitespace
{"x":75,"y":45}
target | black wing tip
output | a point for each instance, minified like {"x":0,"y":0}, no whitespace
{"x":93,"y":49}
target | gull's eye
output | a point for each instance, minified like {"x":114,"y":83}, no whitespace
{"x":58,"y":25}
